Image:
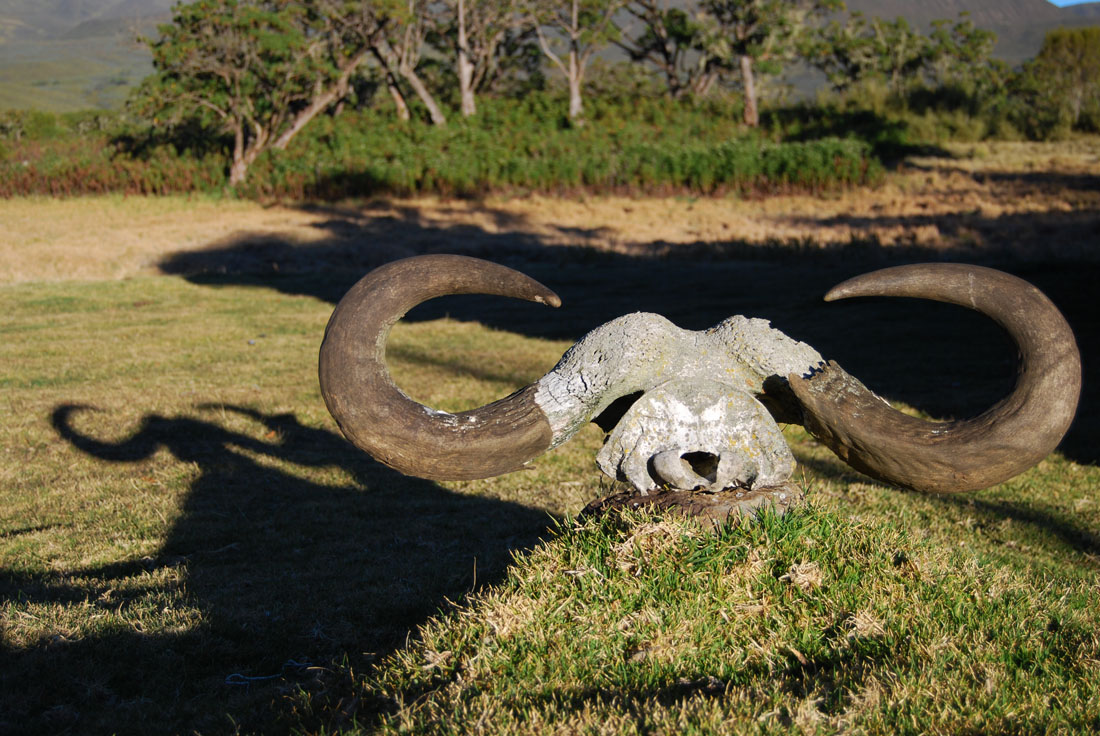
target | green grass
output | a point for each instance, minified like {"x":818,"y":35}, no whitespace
{"x":186,"y":544}
{"x":814,"y":622}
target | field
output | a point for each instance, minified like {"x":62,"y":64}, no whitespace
{"x":188,"y":545}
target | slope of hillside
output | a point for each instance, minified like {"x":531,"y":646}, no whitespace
{"x":1090,"y":11}
{"x":25,"y":20}
{"x":984,"y":13}
{"x":62,"y":55}
{"x":1020,"y":25}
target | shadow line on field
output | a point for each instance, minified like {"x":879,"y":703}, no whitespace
{"x":1050,"y":522}
{"x":1077,"y":538}
{"x":278,"y":568}
{"x":1022,"y":182}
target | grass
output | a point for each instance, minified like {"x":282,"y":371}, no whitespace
{"x":813,"y":623}
{"x":187,"y":544}
{"x":204,"y":525}
{"x":195,"y":446}
{"x":72,"y":74}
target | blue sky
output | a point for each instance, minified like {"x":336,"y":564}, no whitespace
{"x":1063,"y":3}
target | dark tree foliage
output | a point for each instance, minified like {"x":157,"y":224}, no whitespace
{"x":257,"y":70}
{"x":674,"y":41}
{"x":1067,"y":71}
{"x":862,"y":49}
{"x":247,"y":76}
{"x":751,"y":36}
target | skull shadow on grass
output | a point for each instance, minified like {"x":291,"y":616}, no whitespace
{"x":282,"y":569}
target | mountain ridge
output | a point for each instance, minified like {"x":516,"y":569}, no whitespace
{"x":1020,"y":25}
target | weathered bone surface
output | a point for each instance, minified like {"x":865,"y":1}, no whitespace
{"x":702,"y":420}
{"x":640,"y":352}
{"x":697,"y":434}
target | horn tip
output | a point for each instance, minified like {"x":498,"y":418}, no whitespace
{"x":838,"y":292}
{"x":550,"y":299}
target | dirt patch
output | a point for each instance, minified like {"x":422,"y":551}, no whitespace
{"x":1022,"y":201}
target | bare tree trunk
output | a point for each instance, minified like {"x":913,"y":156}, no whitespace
{"x":465,"y":66}
{"x":392,"y":86}
{"x":319,"y":105}
{"x":702,"y":84}
{"x":398,"y":98}
{"x":245,"y":154}
{"x":576,"y":103}
{"x":321,"y":102}
{"x":425,"y":96}
{"x":390,"y":61}
{"x":752,"y":116}
{"x":238,"y":169}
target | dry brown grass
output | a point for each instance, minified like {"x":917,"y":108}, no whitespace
{"x":976,"y":198}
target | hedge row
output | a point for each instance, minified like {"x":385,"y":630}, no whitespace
{"x":517,"y":146}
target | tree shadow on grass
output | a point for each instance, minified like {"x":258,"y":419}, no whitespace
{"x":943,"y":360}
{"x":284,"y":573}
{"x":889,"y":139}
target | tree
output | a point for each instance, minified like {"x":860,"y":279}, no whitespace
{"x":956,"y":53}
{"x":759,"y":35}
{"x":1069,"y":64}
{"x":675,"y":42}
{"x":891,"y":51}
{"x":344,"y":26}
{"x":960,"y":53}
{"x":485,"y":37}
{"x":465,"y":63}
{"x":847,"y":53}
{"x":405,"y":25}
{"x":258,"y":70}
{"x":569,"y":33}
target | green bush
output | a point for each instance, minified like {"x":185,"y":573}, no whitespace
{"x":644,"y":146}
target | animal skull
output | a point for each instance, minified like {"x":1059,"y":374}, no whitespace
{"x":697,"y":434}
{"x":705,"y":404}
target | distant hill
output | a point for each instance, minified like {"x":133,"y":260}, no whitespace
{"x":26,"y":20}
{"x":1020,"y":25}
{"x":65,"y":55}
{"x":1090,"y":11}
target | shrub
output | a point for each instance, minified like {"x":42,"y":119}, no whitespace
{"x":657,"y":146}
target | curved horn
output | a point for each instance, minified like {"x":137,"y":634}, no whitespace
{"x":377,"y":417}
{"x":943,"y":457}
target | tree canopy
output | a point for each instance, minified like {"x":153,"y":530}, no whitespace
{"x":259,"y":71}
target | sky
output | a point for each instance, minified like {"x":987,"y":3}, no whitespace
{"x":1064,"y":3}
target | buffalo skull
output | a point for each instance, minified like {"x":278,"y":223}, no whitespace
{"x":698,"y":410}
